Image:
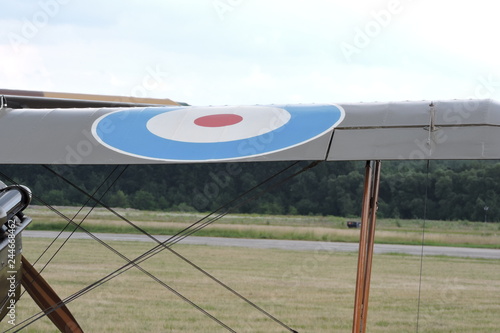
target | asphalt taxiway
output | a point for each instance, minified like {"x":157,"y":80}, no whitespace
{"x":294,"y":245}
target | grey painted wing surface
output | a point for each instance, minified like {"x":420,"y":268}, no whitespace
{"x":456,"y":129}
{"x":468,"y":129}
{"x":175,"y":134}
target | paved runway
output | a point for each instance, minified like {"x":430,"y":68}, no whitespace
{"x":286,"y":244}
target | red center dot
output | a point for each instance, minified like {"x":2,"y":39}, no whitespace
{"x":218,"y":120}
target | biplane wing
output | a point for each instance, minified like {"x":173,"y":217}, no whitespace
{"x":54,"y":128}
{"x":145,"y":133}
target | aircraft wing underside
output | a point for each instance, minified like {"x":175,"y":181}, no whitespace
{"x":455,"y":129}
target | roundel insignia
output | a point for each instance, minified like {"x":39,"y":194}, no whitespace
{"x":213,"y":133}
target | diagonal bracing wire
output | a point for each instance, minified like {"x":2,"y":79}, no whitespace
{"x":189,"y":230}
{"x":130,"y":264}
{"x":201,"y":222}
{"x":165,"y":245}
{"x":74,"y":216}
{"x":79,"y":224}
{"x":39,"y":272}
{"x":78,"y":212}
{"x":198,"y":225}
{"x":40,"y":315}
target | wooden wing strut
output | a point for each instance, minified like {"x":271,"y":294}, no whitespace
{"x":46,"y":298}
{"x":366,"y":242}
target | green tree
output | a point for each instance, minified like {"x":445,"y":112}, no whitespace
{"x":143,"y":200}
{"x":118,"y":199}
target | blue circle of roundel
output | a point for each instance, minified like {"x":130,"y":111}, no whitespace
{"x":125,"y":131}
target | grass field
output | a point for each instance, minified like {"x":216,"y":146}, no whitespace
{"x":309,"y":291}
{"x":318,"y":228}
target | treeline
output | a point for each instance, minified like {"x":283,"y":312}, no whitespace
{"x":445,"y":190}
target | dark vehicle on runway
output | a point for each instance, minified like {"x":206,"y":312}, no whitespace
{"x":353,"y":224}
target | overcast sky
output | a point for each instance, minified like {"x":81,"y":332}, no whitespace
{"x":253,"y":51}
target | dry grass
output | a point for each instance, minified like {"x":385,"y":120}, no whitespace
{"x":310,"y":291}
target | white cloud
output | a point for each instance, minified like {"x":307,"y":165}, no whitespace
{"x":259,"y":52}
{"x":25,"y":69}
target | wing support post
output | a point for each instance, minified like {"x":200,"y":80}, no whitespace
{"x":46,"y":298}
{"x":366,"y":242}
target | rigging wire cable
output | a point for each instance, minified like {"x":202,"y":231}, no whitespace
{"x":45,"y":312}
{"x":223,"y":208}
{"x":132,"y":263}
{"x":39,"y":272}
{"x":177,"y":238}
{"x":78,"y":212}
{"x":98,"y":283}
{"x":78,"y":225}
{"x":92,"y":286}
{"x":423,"y":243}
{"x":167,"y":244}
